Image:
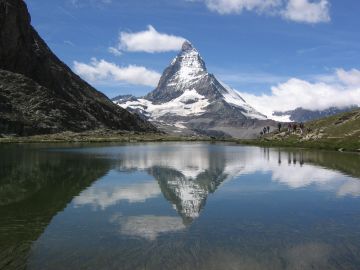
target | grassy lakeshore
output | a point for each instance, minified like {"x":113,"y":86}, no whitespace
{"x":102,"y":137}
{"x":339,"y":132}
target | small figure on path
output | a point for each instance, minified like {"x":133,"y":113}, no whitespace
{"x":279,"y":127}
{"x":301,"y":127}
{"x":264,"y":130}
{"x":268,"y":129}
{"x":295,"y":127}
{"x":289,"y":127}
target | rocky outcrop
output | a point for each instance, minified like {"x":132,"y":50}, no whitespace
{"x":47,"y":97}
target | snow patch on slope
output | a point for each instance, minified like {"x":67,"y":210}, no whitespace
{"x":234,"y":98}
{"x":189,"y":103}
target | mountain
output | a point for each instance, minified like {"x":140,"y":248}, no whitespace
{"x":39,"y":93}
{"x":188,"y":99}
{"x":303,"y":115}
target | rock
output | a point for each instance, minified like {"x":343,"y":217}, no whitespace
{"x":63,"y":101}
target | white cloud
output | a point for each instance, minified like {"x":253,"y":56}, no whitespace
{"x":70,"y":43}
{"x":351,"y":77}
{"x":103,"y":196}
{"x":100,"y":71}
{"x":237,"y":6}
{"x":349,"y":188}
{"x":148,"y":227}
{"x":306,"y":11}
{"x":342,"y":92}
{"x":81,"y":3}
{"x":150,"y":41}
{"x":114,"y":51}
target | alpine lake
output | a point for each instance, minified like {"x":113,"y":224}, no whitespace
{"x":177,"y":206}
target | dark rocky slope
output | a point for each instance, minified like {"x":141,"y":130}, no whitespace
{"x":49,"y":97}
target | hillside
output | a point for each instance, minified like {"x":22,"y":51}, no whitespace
{"x":39,"y":93}
{"x":338,"y":132}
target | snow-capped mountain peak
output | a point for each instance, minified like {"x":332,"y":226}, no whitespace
{"x":189,"y":57}
{"x":185,"y":70}
{"x":190,"y":97}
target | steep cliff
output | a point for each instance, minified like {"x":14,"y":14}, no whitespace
{"x":47,"y":97}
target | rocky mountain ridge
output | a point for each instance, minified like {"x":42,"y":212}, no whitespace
{"x":39,"y":93}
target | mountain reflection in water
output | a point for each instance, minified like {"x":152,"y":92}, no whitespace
{"x":186,"y":176}
{"x":115,"y":207}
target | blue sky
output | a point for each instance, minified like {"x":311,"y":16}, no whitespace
{"x":248,"y":46}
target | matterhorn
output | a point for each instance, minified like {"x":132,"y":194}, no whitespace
{"x":190,"y":100}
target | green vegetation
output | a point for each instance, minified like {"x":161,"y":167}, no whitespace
{"x":100,"y":136}
{"x":339,"y":132}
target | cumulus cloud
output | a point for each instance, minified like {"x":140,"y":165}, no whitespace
{"x":150,"y":41}
{"x":343,"y":91}
{"x":305,"y":11}
{"x":99,"y":71}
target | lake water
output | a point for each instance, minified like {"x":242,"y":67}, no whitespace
{"x":178,"y":206}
